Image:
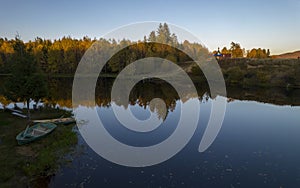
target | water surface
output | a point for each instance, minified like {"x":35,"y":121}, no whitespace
{"x":256,"y":147}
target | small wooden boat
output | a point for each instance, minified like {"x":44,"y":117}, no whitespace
{"x":14,"y":110}
{"x":35,"y":132}
{"x":18,"y":113}
{"x":60,"y":121}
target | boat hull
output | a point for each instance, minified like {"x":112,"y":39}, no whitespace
{"x":36,"y":132}
{"x":62,"y":121}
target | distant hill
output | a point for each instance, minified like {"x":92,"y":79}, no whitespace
{"x":291,"y":55}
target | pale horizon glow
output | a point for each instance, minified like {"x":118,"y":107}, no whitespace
{"x":266,"y":24}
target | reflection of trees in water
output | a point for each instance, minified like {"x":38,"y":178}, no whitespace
{"x":144,"y":92}
{"x":159,"y":107}
{"x":277,"y":96}
{"x":141,"y":94}
{"x":60,"y":93}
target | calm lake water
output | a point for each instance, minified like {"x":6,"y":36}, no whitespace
{"x":257,"y":146}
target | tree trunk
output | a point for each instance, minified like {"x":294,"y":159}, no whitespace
{"x":28,"y":110}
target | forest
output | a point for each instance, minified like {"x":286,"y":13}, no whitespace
{"x":236,"y":51}
{"x":54,"y":57}
{"x":36,"y":60}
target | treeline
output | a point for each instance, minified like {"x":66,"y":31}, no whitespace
{"x":58,"y":56}
{"x":236,"y":51}
{"x":63,"y":55}
{"x":258,"y":53}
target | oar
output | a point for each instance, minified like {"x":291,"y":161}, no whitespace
{"x":27,"y":127}
{"x":59,"y":119}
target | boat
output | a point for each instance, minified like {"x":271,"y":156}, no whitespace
{"x":35,"y":132}
{"x":14,"y":110}
{"x":19,"y":114}
{"x":60,"y":121}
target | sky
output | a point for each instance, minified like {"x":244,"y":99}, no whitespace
{"x":270,"y":24}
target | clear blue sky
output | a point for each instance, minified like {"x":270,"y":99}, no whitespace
{"x":252,"y":23}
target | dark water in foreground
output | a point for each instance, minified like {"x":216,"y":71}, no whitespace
{"x":258,"y":146}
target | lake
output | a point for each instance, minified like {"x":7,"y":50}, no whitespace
{"x":257,"y":146}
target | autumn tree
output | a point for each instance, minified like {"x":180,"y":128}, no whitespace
{"x":6,"y":51}
{"x":258,"y":53}
{"x":26,"y":82}
{"x":236,"y":50}
{"x":225,"y":51}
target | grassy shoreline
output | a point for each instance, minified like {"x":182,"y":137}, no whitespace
{"x":22,"y":165}
{"x":248,"y":72}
